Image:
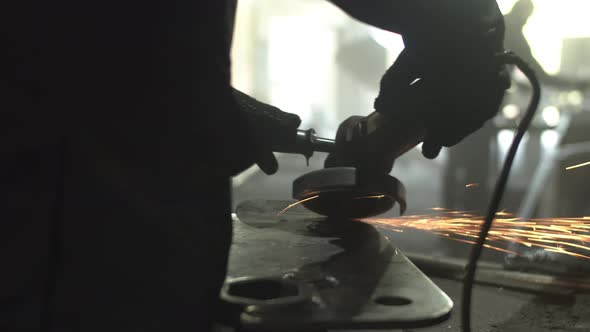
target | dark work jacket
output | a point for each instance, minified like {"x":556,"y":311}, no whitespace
{"x":118,"y":137}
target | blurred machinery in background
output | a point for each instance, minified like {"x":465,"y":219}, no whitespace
{"x":575,"y":59}
{"x":569,"y":195}
{"x":563,"y":119}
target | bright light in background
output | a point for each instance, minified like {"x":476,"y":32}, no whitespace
{"x":389,"y":40}
{"x":551,"y":116}
{"x":300,"y":54}
{"x":511,"y":111}
{"x":505,"y":5}
{"x":575,"y":98}
{"x":549,"y":139}
{"x":505,"y":137}
{"x":504,"y":140}
{"x":551,"y":23}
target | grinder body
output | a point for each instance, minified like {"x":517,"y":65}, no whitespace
{"x":356,"y":181}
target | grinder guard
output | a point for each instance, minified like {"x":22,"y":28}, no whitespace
{"x":346,"y":192}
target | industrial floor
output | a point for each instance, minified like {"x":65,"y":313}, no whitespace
{"x":494,"y":308}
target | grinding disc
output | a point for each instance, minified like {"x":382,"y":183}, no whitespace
{"x":344,"y":192}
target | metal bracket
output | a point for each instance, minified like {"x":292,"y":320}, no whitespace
{"x":301,"y":272}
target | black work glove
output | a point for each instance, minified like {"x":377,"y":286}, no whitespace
{"x":440,"y":112}
{"x":443,"y":86}
{"x":268,"y":126}
{"x":447,"y":107}
{"x":451,"y":49}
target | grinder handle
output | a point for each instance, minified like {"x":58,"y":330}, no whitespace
{"x":306,"y":143}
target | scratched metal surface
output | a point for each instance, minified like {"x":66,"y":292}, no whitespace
{"x":347,"y":264}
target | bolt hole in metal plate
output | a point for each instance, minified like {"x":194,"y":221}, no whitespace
{"x":264,"y":291}
{"x":349,"y":275}
{"x":392,"y":300}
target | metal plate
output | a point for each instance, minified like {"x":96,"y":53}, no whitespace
{"x":351,"y":276}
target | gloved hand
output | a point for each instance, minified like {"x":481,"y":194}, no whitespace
{"x":443,"y":86}
{"x":454,"y":55}
{"x":451,"y":50}
{"x":449,"y":106}
{"x":410,"y":111}
{"x":268,"y":126}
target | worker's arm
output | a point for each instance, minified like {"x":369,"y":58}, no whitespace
{"x":451,"y":47}
{"x":269,"y":126}
{"x":385,"y":14}
{"x":401,"y":15}
{"x":434,"y":30}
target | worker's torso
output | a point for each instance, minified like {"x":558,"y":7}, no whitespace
{"x":119,"y":134}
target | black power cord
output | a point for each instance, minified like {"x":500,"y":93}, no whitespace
{"x":504,"y":58}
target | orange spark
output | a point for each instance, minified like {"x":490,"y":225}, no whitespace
{"x":297,"y":203}
{"x":578,"y":166}
{"x":439,"y":209}
{"x":504,"y":213}
{"x":569,"y":236}
{"x":472,"y":185}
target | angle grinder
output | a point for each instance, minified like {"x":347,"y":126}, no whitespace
{"x":348,"y":189}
